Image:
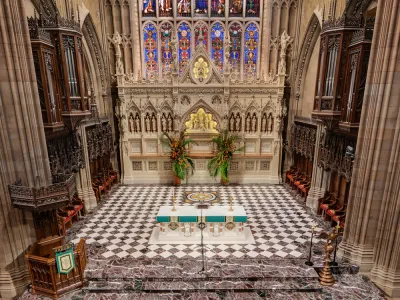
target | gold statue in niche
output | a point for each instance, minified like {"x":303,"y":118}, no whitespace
{"x":200,"y":69}
{"x":201,"y":121}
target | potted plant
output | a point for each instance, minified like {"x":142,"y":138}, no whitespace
{"x":226,"y":147}
{"x":179,"y":155}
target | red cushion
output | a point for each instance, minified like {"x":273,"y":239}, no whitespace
{"x":78,"y":207}
{"x":66,"y":219}
{"x":335,"y":218}
{"x":290,"y":176}
{"x":324,"y":206}
{"x":331,"y":212}
{"x":342,"y":224}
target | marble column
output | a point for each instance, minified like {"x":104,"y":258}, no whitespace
{"x":317,"y":189}
{"x":372,"y":235}
{"x":23,"y":149}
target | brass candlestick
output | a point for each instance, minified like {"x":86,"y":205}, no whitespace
{"x":230,"y":204}
{"x":325,"y":276}
{"x":173,"y":203}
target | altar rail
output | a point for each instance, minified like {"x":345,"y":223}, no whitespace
{"x":48,"y":197}
{"x":45,"y":278}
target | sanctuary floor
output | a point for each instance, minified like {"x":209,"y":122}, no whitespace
{"x":123,"y":265}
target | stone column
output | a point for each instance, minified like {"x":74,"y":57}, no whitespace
{"x":317,"y":189}
{"x":266,"y":38}
{"x":372,"y":235}
{"x":23,"y":149}
{"x":84,"y":179}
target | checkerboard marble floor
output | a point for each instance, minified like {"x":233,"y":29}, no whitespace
{"x":122,"y":225}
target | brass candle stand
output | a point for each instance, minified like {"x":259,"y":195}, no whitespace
{"x":325,"y":276}
{"x":230,"y":204}
{"x":173,"y":203}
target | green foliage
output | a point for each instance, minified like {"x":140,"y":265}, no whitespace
{"x":219,"y":164}
{"x":178,"y":153}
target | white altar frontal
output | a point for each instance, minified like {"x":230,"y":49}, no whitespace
{"x":219,"y":224}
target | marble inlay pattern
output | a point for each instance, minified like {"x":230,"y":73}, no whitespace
{"x":122,"y":225}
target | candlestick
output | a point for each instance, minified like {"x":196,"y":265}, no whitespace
{"x":309,"y":262}
{"x":333,"y":262}
{"x":173,"y":203}
{"x":230,"y":201}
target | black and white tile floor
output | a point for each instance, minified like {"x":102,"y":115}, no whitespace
{"x":121,"y":226}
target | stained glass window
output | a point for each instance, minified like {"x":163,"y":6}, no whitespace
{"x":184,"y":35}
{"x":235,"y":33}
{"x":201,"y":28}
{"x":253,"y":8}
{"x":165,"y":8}
{"x":166,"y":54}
{"x":183,"y":8}
{"x":218,"y":8}
{"x":150,"y":49}
{"x":217,"y":45}
{"x":236,"y":8}
{"x":149,"y":8}
{"x":201,"y":7}
{"x":250,"y":49}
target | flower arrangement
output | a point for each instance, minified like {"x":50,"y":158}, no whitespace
{"x":226,"y":147}
{"x":178,"y":153}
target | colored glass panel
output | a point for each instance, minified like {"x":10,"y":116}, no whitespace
{"x":150,"y":49}
{"x":218,"y":8}
{"x":201,"y":7}
{"x":184,"y":35}
{"x":250,"y":49}
{"x":166,"y":49}
{"x":201,"y":29}
{"x":165,"y":8}
{"x":253,"y":8}
{"x":235,"y":33}
{"x":236,"y":8}
{"x":183,"y":8}
{"x":217,"y":45}
{"x":149,"y":8}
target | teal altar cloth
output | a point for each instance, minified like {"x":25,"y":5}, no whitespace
{"x":191,"y":214}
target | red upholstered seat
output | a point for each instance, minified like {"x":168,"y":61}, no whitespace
{"x":331,"y":212}
{"x":336,"y":218}
{"x":342,"y":224}
{"x":78,"y":207}
{"x":324,"y":206}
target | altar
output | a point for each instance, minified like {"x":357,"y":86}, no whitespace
{"x":192,"y":225}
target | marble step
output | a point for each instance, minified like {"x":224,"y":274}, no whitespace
{"x":270,"y":295}
{"x":205,"y":284}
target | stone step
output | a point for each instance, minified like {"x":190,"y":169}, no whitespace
{"x":273,"y":295}
{"x":212,"y":285}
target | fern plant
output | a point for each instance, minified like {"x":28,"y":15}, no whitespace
{"x":178,"y":153}
{"x":226,"y":147}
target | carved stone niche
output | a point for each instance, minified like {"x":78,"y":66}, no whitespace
{"x":201,"y":127}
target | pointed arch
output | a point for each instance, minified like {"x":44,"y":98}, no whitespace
{"x":307,"y":46}
{"x":201,"y":28}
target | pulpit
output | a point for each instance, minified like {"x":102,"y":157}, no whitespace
{"x":193,"y":225}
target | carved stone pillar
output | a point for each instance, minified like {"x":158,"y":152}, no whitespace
{"x":23,"y":149}
{"x":317,"y":189}
{"x":372,"y":235}
{"x":84,"y":179}
{"x":265,"y":48}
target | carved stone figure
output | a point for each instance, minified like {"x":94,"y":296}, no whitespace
{"x":137,"y":124}
{"x":254,"y":123}
{"x":263,"y":123}
{"x":131,"y":124}
{"x":284,"y":41}
{"x":163,"y":124}
{"x":170,"y":123}
{"x":232,"y":124}
{"x":153,"y":124}
{"x":248,"y":125}
{"x":269,"y":123}
{"x":237,"y":125}
{"x":148,"y":129}
{"x":201,"y":121}
{"x":176,"y":124}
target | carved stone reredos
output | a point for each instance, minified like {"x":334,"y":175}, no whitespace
{"x":201,"y":61}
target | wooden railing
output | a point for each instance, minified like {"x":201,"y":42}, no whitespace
{"x":45,"y":278}
{"x":43,"y":198}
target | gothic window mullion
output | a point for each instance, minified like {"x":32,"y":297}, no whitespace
{"x":80,"y":70}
